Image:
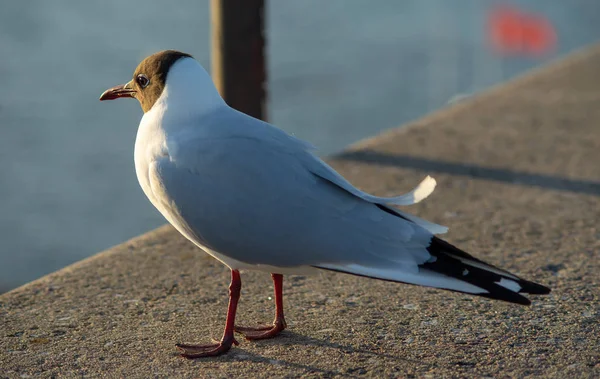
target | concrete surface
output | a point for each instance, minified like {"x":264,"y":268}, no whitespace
{"x":518,"y":170}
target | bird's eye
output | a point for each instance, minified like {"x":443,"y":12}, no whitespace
{"x":142,"y":80}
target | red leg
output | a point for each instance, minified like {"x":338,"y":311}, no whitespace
{"x":268,"y":331}
{"x":211,"y":350}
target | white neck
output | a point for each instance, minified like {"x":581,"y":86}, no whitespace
{"x":189,"y":92}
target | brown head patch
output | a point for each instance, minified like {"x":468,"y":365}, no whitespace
{"x":150,"y":76}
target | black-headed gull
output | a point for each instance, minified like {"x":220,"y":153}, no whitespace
{"x":255,"y":197}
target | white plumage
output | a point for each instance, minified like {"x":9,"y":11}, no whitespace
{"x":257,"y":198}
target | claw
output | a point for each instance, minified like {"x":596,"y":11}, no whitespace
{"x":262,"y":332}
{"x":206,"y":351}
{"x":209,"y":350}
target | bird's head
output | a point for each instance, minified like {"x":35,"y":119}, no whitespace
{"x":184,"y":76}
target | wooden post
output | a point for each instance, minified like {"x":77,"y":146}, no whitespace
{"x":238,"y":60}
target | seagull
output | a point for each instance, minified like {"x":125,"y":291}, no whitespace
{"x":257,"y":198}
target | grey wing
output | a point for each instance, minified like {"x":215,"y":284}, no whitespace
{"x":423,"y":190}
{"x":259,"y":204}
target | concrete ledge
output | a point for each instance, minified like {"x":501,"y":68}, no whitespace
{"x":518,"y":184}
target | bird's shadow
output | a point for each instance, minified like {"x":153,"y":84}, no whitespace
{"x":292,"y":338}
{"x":289,"y":338}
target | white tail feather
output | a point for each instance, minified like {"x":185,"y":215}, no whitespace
{"x":420,"y":192}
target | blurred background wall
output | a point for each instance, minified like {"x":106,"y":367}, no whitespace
{"x":339,"y":71}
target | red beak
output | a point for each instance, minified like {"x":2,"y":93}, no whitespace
{"x":123,"y":90}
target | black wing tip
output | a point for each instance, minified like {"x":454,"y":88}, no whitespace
{"x":521,"y":300}
{"x":503,"y":294}
{"x":497,"y":292}
{"x":440,"y":247}
{"x":533,"y":288}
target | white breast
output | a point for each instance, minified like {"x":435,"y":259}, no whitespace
{"x":150,"y":144}
{"x":188,"y":94}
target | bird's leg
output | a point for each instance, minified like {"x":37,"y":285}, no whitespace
{"x":268,"y":331}
{"x":211,"y":350}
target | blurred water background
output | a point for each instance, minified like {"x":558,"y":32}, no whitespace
{"x":339,"y":71}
